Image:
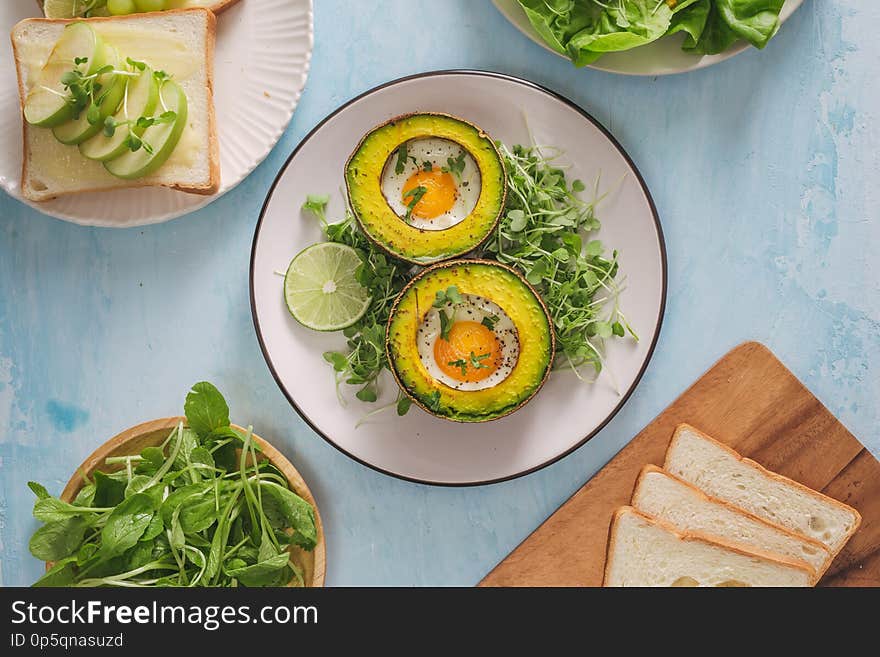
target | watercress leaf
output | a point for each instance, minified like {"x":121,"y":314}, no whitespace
{"x":39,"y":490}
{"x":140,"y":555}
{"x":154,"y":529}
{"x":195,"y":505}
{"x":201,"y":455}
{"x":59,"y":539}
{"x":138,"y":484}
{"x":206,"y":409}
{"x":577,"y":186}
{"x":126,"y":524}
{"x":51,"y":509}
{"x":62,"y":573}
{"x":86,"y":496}
{"x":617,"y":329}
{"x":263,"y":573}
{"x":285,"y":509}
{"x":109,"y":490}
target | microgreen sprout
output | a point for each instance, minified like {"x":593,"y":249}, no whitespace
{"x":455,"y":165}
{"x":364,"y":358}
{"x":545,"y":233}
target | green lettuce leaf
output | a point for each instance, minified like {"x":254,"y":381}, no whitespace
{"x":756,"y":21}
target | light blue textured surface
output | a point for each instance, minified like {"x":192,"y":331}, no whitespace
{"x":765,"y":172}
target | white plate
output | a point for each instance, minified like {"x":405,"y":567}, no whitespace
{"x":419,"y":447}
{"x":662,"y":57}
{"x":261,"y":64}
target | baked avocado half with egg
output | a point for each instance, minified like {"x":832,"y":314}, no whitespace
{"x":426,"y":187}
{"x":470,"y":340}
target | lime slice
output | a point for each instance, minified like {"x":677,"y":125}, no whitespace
{"x":321,"y":290}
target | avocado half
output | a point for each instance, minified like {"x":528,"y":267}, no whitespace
{"x":505,"y":287}
{"x":363,"y":181}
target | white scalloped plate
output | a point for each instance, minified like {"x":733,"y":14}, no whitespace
{"x":261,"y":64}
{"x":662,"y":57}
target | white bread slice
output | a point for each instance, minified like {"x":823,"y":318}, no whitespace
{"x":663,"y":496}
{"x":179,"y":41}
{"x":719,"y":471}
{"x":644,"y":551}
{"x":217,"y":6}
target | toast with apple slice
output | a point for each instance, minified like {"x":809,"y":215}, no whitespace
{"x":172,"y":143}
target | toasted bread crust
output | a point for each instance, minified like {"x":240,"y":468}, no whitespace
{"x":214,"y":145}
{"x":714,"y":500}
{"x":773,"y":475}
{"x":698,"y":537}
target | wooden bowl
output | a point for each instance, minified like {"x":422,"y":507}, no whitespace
{"x":152,"y":434}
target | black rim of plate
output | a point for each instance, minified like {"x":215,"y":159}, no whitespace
{"x":660,"y":238}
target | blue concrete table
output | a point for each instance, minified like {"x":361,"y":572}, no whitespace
{"x":765,"y":172}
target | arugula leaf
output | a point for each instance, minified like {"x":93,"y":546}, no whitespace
{"x":205,"y":409}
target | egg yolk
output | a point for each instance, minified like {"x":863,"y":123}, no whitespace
{"x":471,"y":353}
{"x":438,"y":197}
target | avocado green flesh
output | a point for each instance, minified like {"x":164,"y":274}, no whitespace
{"x":521,"y":304}
{"x":363,"y":175}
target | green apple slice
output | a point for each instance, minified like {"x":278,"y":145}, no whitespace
{"x":78,"y":129}
{"x":140,"y":99}
{"x":162,"y":138}
{"x":49,"y":103}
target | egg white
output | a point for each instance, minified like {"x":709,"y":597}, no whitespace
{"x":437,"y":151}
{"x":472,"y":308}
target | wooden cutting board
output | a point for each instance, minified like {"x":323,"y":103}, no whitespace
{"x":750,"y":401}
